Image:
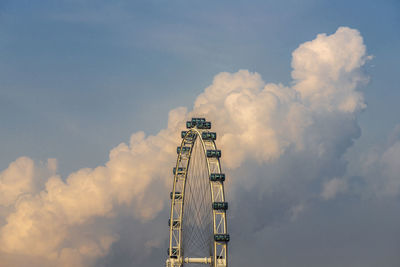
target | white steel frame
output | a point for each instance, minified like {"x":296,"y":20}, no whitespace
{"x":220,"y":250}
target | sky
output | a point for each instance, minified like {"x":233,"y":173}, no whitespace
{"x":303,"y":95}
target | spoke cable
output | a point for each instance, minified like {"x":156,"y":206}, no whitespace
{"x":197,"y":222}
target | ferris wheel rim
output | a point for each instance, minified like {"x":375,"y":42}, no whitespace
{"x":218,"y":244}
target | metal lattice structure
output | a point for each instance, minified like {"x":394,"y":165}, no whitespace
{"x":198,"y":223}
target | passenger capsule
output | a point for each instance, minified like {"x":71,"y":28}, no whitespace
{"x":214,"y":153}
{"x":181,"y":170}
{"x":221,"y":237}
{"x":220,"y":205}
{"x":198,"y":120}
{"x":174,"y":253}
{"x":194,"y":122}
{"x":204,"y":125}
{"x":178,"y":195}
{"x":189,"y":136}
{"x":175,"y":224}
{"x":189,"y":125}
{"x":184,"y":149}
{"x":217,"y":177}
{"x":209,"y":136}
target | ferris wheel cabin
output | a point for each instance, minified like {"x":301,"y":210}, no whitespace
{"x":200,"y":123}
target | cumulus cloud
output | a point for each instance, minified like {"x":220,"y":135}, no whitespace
{"x":313,"y":121}
{"x":326,"y":70}
{"x":16,"y":180}
{"x":23,"y":177}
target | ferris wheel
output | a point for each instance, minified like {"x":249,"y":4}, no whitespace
{"x":198,"y":223}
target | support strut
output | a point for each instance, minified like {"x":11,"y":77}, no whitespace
{"x":198,"y":260}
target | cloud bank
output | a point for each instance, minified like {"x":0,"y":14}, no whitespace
{"x":262,"y":129}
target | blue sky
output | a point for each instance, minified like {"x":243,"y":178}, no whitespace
{"x":79,"y":77}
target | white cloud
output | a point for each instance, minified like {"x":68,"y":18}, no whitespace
{"x":255,"y":121}
{"x":23,"y":177}
{"x":16,"y":180}
{"x":326,"y":70}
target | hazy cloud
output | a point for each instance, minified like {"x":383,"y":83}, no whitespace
{"x":333,"y":187}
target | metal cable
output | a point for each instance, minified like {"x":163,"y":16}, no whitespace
{"x":197,"y":231}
